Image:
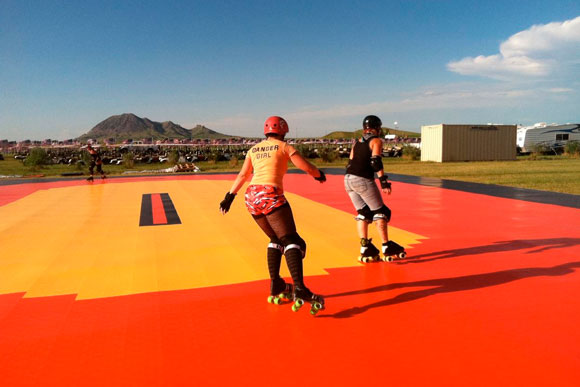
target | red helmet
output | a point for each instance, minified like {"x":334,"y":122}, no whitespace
{"x":276,"y":125}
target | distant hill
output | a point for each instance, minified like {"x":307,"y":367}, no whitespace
{"x":129,"y":126}
{"x":358,"y":133}
{"x":201,"y":131}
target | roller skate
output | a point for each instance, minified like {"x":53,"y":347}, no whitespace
{"x":368,"y":251}
{"x":393,"y":251}
{"x":90,"y":178}
{"x":280,"y":292}
{"x":303,"y":295}
{"x":103,"y":177}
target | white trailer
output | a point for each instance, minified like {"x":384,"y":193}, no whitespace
{"x":552,"y":136}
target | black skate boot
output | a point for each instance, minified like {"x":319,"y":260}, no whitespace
{"x":368,"y":251}
{"x":302,"y":295}
{"x":280,"y":291}
{"x":393,"y":251}
{"x":103,"y":177}
{"x":90,"y":178}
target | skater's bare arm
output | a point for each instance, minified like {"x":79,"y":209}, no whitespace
{"x":305,"y":165}
{"x":244,"y":175}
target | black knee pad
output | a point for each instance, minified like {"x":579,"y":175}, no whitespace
{"x":382,"y":213}
{"x":365,"y":214}
{"x":293,"y":241}
{"x":276,"y":244}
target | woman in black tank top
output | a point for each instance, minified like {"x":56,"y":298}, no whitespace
{"x":359,"y":182}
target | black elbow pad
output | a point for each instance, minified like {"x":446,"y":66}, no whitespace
{"x":376,"y":163}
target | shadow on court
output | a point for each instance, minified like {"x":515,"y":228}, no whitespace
{"x":448,"y":285}
{"x":537,"y":246}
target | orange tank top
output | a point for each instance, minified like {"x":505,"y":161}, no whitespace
{"x":270,"y":161}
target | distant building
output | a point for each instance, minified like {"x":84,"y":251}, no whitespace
{"x":448,"y":142}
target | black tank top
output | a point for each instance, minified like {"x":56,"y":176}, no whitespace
{"x":360,"y":165}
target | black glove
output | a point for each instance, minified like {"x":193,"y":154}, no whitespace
{"x":322,"y":177}
{"x":385,"y":182}
{"x":227,"y":202}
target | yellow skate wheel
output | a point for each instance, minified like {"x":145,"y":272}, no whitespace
{"x":297,"y":305}
{"x":277,"y":300}
{"x":402,"y":255}
{"x":270,"y":299}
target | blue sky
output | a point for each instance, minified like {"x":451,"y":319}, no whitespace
{"x":323,"y":65}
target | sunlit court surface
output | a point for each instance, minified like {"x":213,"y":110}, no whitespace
{"x":142,"y":282}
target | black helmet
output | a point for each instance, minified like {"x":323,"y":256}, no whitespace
{"x":372,"y":122}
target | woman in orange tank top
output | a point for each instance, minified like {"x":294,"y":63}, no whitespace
{"x":265,"y":200}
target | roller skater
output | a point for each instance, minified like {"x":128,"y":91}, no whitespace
{"x":265,"y":201}
{"x":95,"y":161}
{"x":302,"y":295}
{"x":359,"y":182}
{"x":393,"y":251}
{"x":368,"y":251}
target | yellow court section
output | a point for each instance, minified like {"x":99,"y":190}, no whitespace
{"x":86,"y":240}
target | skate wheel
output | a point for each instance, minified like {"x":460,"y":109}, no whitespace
{"x":390,"y":259}
{"x":277,"y":300}
{"x":313,"y":311}
{"x":270,"y":299}
{"x":402,"y":255}
{"x":361,"y":259}
{"x":297,"y":305}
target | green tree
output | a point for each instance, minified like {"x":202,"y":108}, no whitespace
{"x":37,"y":158}
{"x":129,"y":160}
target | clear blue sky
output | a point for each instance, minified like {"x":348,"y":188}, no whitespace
{"x":67,"y":65}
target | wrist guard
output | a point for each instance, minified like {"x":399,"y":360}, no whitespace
{"x":227,"y":202}
{"x":384,"y":180}
{"x":322,"y":177}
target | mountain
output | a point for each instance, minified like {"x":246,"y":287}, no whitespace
{"x":201,"y":131}
{"x":129,"y":126}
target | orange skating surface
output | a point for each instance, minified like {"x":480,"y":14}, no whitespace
{"x":489,"y":293}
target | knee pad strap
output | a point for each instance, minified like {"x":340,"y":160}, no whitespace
{"x":275,"y":246}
